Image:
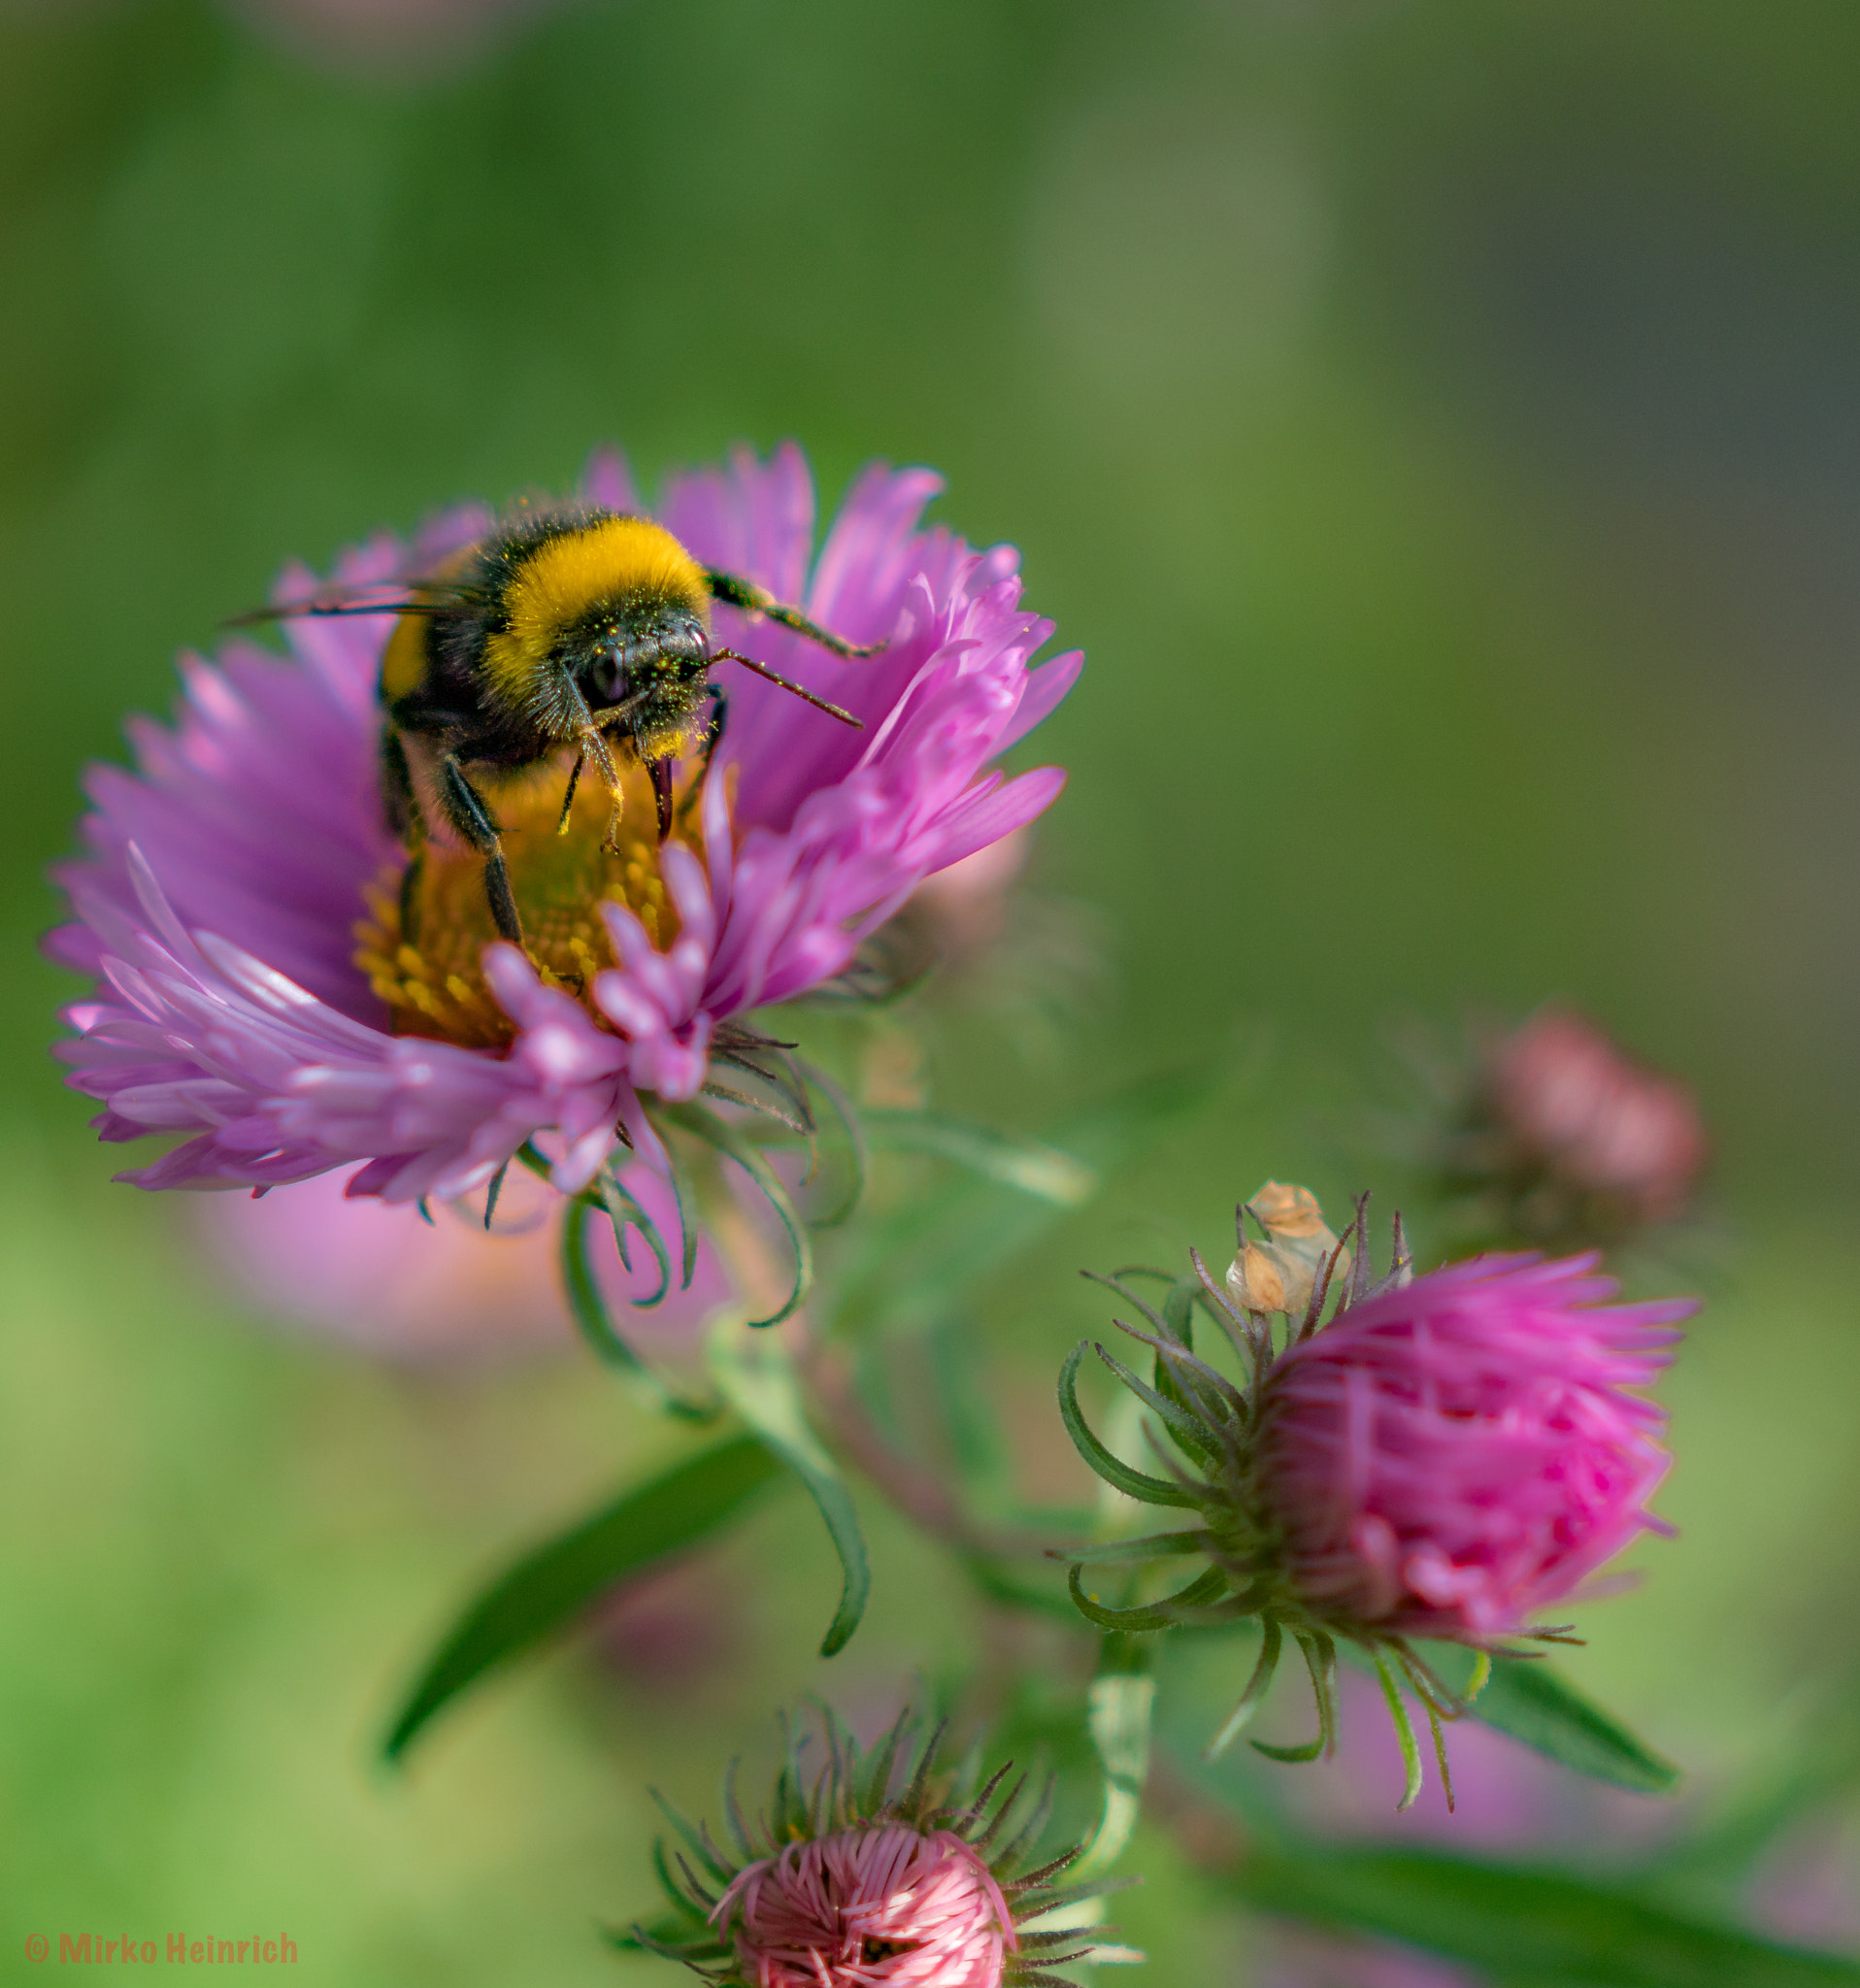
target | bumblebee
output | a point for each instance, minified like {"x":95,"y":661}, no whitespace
{"x":574,"y":627}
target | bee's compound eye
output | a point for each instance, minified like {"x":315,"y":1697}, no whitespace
{"x":605,"y":679}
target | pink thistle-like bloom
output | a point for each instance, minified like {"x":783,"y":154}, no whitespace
{"x":234,"y":905}
{"x":1440,"y":1458}
{"x":882,"y":1870}
{"x":1449,"y":1458}
{"x":884,"y":1903}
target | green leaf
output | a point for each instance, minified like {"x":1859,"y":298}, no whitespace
{"x":544,"y":1590}
{"x":757,"y":1379}
{"x":1531,"y":1700}
{"x":1120,"y":1704}
{"x":1536,"y":1926}
{"x":915,"y":1263}
{"x":976,"y":1444}
{"x":1041,"y":1171}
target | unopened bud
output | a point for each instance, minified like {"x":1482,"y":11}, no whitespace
{"x":1255,"y":1279}
{"x":1280,"y":1275}
{"x":1287,"y":1212}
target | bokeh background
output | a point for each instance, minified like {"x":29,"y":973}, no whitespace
{"x":1441,"y":425}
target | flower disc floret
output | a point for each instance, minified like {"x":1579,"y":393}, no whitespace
{"x":220,"y":897}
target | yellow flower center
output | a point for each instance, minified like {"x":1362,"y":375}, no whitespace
{"x":430,"y":972}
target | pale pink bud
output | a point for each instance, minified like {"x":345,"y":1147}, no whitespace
{"x":880,"y":1904}
{"x":1567,"y":1096}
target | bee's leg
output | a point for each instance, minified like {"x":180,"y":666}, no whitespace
{"x":713,"y":732}
{"x":410,"y":897}
{"x":593,"y":745}
{"x":399,"y":802}
{"x":467,"y":812}
{"x":753,"y":600}
{"x":568,"y":799}
{"x":406,"y":824}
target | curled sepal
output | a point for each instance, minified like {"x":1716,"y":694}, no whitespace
{"x":1148,"y":1546}
{"x":1404,"y":1731}
{"x":1320,"y":1660}
{"x":596,"y":1324}
{"x":1115,"y":1473}
{"x":1272,"y":1639}
{"x":625,"y":1211}
{"x":1207,"y":1586}
{"x":725,"y":1139}
{"x":858,"y":1149}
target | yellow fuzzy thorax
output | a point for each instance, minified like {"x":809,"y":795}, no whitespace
{"x":620,"y":560}
{"x":432,"y":982}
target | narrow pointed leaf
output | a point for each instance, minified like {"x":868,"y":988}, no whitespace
{"x":1041,"y":1171}
{"x":1536,"y":1926}
{"x":912,"y":1263}
{"x":1404,"y":1732}
{"x":1148,"y":1547}
{"x":1531,"y":1700}
{"x":544,"y":1590}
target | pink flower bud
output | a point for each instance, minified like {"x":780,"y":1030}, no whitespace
{"x":1447,"y":1459}
{"x":1601,"y":1124}
{"x":884,"y":1903}
{"x":886,"y":1870}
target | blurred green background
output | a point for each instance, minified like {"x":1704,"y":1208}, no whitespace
{"x":1440,"y":424}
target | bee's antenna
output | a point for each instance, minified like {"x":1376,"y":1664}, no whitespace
{"x":297,"y":610}
{"x":833,"y":710}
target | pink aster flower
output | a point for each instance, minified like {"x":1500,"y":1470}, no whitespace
{"x":236,"y":901}
{"x":1443,"y":1457}
{"x":876,"y":1873}
{"x":1451,"y":1457}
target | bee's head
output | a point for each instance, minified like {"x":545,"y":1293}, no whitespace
{"x":644,"y":649}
